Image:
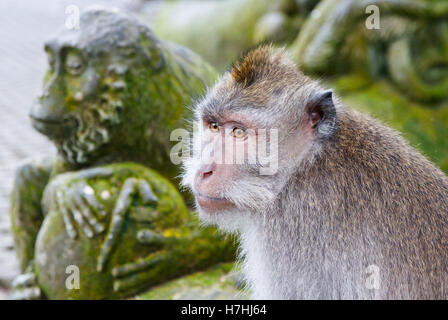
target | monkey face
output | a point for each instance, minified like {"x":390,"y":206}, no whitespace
{"x":240,"y":164}
{"x":226,"y":172}
{"x":236,"y":156}
{"x":257,"y":125}
{"x":224,"y":149}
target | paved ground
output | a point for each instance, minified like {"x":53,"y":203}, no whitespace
{"x":24,"y":26}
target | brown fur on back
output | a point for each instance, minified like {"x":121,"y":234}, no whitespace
{"x":371,"y":199}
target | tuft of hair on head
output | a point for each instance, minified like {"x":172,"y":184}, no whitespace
{"x":260,"y":63}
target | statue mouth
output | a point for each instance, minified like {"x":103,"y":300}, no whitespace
{"x":46,"y":121}
{"x":51,"y":128}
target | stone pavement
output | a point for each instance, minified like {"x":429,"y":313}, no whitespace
{"x":24,"y":26}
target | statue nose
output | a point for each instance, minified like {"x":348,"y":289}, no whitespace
{"x":44,"y":94}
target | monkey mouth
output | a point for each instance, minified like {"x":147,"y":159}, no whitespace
{"x":208,"y":203}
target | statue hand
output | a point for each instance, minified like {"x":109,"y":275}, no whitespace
{"x":76,"y":201}
{"x":25,"y":286}
{"x":131,"y":187}
{"x":159,"y":266}
{"x":175,"y":256}
{"x":80,"y":209}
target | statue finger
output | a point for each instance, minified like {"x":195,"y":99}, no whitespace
{"x":147,"y":236}
{"x":88,"y":215}
{"x":88,"y":195}
{"x":146,"y":192}
{"x":123,"y":203}
{"x":24,"y":280}
{"x":82,"y":223}
{"x":109,"y":242}
{"x":139,"y":266}
{"x":95,"y":173}
{"x":69,"y":226}
{"x":27,"y":294}
{"x":125,"y":196}
{"x":132,"y":276}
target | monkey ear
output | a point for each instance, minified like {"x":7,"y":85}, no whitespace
{"x":321,"y":114}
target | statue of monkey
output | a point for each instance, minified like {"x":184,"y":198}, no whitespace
{"x":111,"y":96}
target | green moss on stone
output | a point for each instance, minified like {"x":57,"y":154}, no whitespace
{"x":217,"y":282}
{"x":218,"y":30}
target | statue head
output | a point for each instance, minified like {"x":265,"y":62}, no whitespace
{"x":112,"y":91}
{"x":404,"y":41}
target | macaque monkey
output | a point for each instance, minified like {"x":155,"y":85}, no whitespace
{"x":348,"y":211}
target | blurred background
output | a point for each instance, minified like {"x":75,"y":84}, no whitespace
{"x":390,"y":61}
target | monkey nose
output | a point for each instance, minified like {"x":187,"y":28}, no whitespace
{"x":206,"y":174}
{"x":207,"y":170}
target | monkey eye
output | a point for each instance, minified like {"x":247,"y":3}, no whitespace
{"x":238,"y":133}
{"x":213,"y":126}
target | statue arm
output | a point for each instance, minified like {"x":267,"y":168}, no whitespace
{"x":26,"y":218}
{"x":26,"y":210}
{"x":196,"y":250}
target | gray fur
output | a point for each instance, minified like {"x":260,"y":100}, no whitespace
{"x":342,"y":201}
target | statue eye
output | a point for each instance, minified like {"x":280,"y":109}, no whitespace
{"x":238,"y":133}
{"x":51,"y":61}
{"x":73,"y":64}
{"x":213,"y":126}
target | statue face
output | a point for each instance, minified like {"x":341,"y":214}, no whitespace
{"x":408,"y":46}
{"x":66,"y":74}
{"x":82,"y":95}
{"x":75,"y":108}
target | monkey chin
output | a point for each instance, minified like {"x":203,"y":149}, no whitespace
{"x":220,"y":212}
{"x":212,"y":205}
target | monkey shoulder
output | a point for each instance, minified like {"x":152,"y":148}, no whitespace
{"x":370,"y":164}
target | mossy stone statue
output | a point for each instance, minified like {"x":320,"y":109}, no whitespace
{"x":219,"y":30}
{"x":398,"y":73}
{"x":408,"y":45}
{"x":107,"y":206}
{"x":149,"y":238}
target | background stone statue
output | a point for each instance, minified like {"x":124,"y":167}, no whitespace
{"x":398,"y":73}
{"x":111,"y":96}
{"x":408,"y":44}
{"x":222,"y":30}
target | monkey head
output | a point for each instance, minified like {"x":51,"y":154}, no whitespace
{"x":261,"y":122}
{"x":92,"y":85}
